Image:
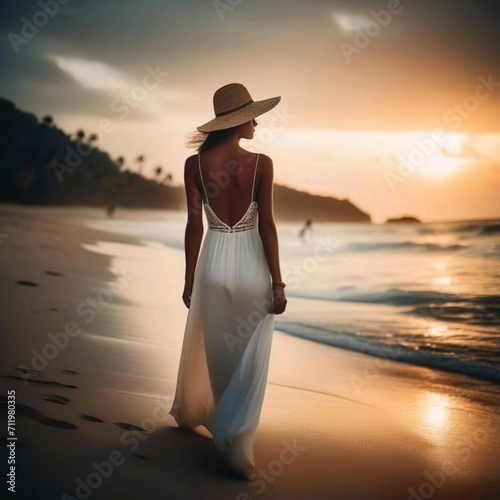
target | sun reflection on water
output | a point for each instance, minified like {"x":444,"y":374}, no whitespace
{"x":435,"y":416}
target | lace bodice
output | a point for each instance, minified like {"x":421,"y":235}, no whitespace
{"x":248,"y":221}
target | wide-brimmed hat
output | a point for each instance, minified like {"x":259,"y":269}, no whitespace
{"x":233,"y":105}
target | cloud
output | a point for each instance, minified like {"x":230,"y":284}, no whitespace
{"x":90,"y":74}
{"x":350,"y":22}
{"x":423,"y":62}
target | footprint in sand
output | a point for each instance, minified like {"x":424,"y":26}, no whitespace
{"x":61,"y":424}
{"x":56,"y":401}
{"x":70,"y":372}
{"x":55,"y":398}
{"x":129,"y":427}
{"x":43,"y":382}
{"x":90,"y":418}
{"x":54,"y":309}
{"x":122,"y":425}
{"x":42,"y":419}
{"x":53,"y":273}
{"x":26,"y":283}
{"x":27,"y":370}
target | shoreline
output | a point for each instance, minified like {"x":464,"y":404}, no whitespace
{"x":163,"y":211}
{"x":361,"y":431}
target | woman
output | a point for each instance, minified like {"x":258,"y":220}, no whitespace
{"x":233,"y":289}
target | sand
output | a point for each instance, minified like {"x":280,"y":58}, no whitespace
{"x":91,"y":328}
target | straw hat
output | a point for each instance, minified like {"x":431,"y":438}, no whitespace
{"x":234,"y":106}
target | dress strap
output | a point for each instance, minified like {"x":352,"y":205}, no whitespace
{"x":201,"y":176}
{"x":254,"y":174}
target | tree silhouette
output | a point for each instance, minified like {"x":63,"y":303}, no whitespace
{"x":80,"y":135}
{"x":140,"y":161}
{"x":119,"y":162}
{"x":93,"y":138}
{"x":158,"y":171}
{"x":48,"y":120}
{"x":37,"y":168}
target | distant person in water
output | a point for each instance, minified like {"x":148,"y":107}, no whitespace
{"x":305,"y":228}
{"x":111,"y":210}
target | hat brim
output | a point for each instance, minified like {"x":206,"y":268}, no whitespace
{"x":240,"y":116}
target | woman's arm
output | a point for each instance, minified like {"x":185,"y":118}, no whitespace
{"x":267,"y":226}
{"x":267,"y":229}
{"x":194,"y":229}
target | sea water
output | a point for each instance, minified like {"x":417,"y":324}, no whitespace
{"x":426,"y":294}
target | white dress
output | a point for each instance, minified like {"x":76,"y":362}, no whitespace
{"x":227,"y":340}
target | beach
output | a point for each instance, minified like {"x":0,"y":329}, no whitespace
{"x":92,"y":324}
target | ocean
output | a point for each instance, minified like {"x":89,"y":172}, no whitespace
{"x":425,"y":294}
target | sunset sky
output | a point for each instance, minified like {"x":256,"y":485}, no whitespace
{"x":364,"y":92}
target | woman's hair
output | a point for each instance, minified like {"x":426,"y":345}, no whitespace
{"x":203,"y":141}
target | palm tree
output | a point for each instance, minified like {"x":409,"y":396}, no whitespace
{"x":93,"y":138}
{"x":140,"y":161}
{"x":119,"y":162}
{"x":48,"y":120}
{"x":80,"y":135}
{"x":158,"y":171}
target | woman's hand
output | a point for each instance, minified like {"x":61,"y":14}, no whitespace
{"x":186,"y":294}
{"x":279,"y":303}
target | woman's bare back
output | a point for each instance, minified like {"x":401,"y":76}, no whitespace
{"x":228,"y":178}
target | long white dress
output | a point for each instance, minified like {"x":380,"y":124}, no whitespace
{"x":227,"y":340}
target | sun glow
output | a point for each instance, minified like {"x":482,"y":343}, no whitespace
{"x":433,"y":156}
{"x":442,"y":169}
{"x":442,"y":280}
{"x":435,"y":415}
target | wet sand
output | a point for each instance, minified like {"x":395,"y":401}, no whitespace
{"x":91,"y":328}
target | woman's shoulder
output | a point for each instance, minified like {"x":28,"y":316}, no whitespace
{"x":265,"y":162}
{"x":263,"y":158}
{"x":192,"y":159}
{"x":191,"y":162}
